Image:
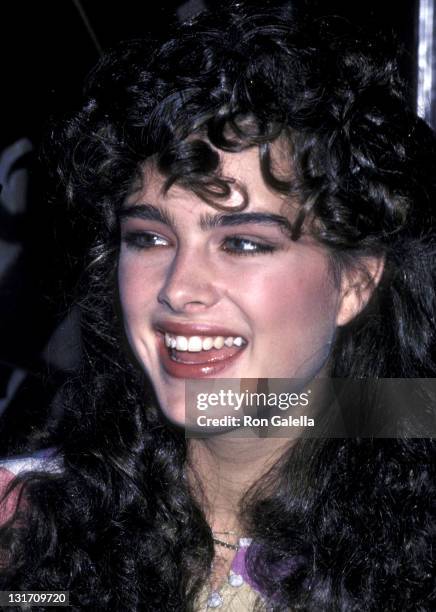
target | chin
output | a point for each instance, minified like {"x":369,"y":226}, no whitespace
{"x":172,"y":407}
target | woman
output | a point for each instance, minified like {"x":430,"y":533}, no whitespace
{"x":260,"y":201}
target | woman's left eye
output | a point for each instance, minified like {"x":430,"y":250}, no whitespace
{"x":237,"y":245}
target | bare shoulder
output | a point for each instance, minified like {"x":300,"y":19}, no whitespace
{"x":47,"y":460}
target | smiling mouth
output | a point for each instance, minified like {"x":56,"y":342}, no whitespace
{"x":202,"y":344}
{"x":198,"y":356}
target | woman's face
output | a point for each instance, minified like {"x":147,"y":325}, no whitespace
{"x":193,"y":277}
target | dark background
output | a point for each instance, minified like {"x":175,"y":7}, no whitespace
{"x":47,"y":49}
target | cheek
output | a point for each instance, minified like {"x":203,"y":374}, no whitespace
{"x":129,"y":287}
{"x":309,"y":300}
{"x":285,"y":298}
{"x":137,"y":286}
{"x":135,"y":298}
{"x":135,"y":292}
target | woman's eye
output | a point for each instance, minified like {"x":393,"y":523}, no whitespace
{"x":245,"y":246}
{"x":144,"y":240}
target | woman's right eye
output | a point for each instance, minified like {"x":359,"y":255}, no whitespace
{"x":144,"y":240}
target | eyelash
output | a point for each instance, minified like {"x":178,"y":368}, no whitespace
{"x":260,"y":248}
{"x":143,"y":241}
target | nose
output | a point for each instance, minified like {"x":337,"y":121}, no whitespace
{"x":190,"y":285}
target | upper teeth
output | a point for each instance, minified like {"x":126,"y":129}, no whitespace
{"x":194,"y":344}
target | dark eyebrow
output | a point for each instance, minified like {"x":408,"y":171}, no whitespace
{"x":209,"y":221}
{"x":147,"y":212}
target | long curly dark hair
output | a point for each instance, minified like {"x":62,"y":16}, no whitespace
{"x":339,"y":524}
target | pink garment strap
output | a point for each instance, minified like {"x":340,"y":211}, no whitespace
{"x":8,"y":505}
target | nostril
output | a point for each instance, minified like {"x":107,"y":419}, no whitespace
{"x":194,"y":306}
{"x":183,"y":303}
{"x":188,"y":287}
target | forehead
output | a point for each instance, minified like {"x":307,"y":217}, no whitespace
{"x":242,"y":169}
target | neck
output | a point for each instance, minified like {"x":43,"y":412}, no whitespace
{"x":223,"y":468}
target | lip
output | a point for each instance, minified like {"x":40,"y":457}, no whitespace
{"x":213,"y":364}
{"x":180,"y":328}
